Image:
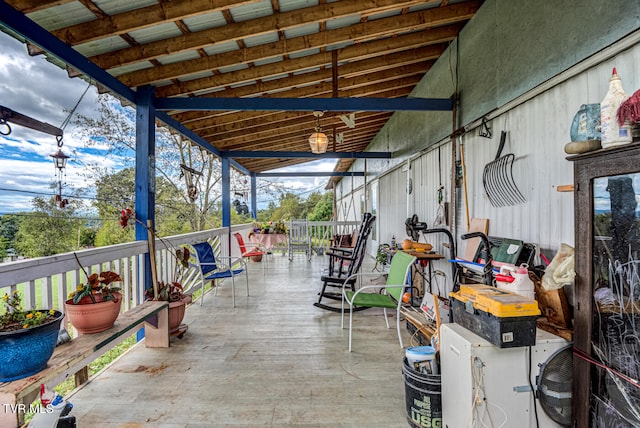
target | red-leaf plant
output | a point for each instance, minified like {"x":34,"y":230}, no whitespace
{"x":169,"y":291}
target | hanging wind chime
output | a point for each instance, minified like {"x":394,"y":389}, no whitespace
{"x":8,"y":116}
{"x":60,"y":162}
{"x":191,"y":177}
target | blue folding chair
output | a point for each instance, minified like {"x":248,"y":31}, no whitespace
{"x":210,"y":270}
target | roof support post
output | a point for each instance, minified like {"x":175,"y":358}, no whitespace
{"x":145,"y":173}
{"x":254,"y":206}
{"x":226,"y":192}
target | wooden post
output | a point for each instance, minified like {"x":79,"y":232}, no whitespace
{"x":152,"y":256}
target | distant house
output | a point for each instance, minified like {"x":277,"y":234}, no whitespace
{"x":11,"y":256}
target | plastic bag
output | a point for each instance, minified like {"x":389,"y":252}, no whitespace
{"x":561,"y":270}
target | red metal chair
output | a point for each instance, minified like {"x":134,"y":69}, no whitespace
{"x":251,"y":250}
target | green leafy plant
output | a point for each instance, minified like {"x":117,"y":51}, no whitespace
{"x":97,"y":285}
{"x":266,"y":227}
{"x":16,"y":318}
{"x":280,"y":227}
{"x":169,"y":292}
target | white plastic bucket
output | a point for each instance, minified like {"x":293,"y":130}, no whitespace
{"x":422,"y":359}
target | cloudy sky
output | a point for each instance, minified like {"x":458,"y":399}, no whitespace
{"x":36,"y":88}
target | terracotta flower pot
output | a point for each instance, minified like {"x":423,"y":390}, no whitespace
{"x":176,"y":313}
{"x":93,"y":317}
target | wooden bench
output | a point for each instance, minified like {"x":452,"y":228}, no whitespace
{"x":72,"y":358}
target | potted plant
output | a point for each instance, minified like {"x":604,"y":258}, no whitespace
{"x":95,"y":306}
{"x":27,"y":338}
{"x":280,"y":227}
{"x":173,"y":293}
{"x":266,"y":227}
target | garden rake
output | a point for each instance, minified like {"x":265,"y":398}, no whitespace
{"x":497,"y":179}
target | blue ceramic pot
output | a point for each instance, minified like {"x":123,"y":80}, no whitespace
{"x":25,"y":352}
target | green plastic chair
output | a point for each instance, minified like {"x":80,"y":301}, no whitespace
{"x":389,"y":297}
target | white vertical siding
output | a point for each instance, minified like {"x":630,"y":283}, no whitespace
{"x":538,"y":130}
{"x":392,"y":205}
{"x":537,"y":133}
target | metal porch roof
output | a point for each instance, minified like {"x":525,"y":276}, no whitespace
{"x":261,"y":48}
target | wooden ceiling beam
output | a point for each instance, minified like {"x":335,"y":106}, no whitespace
{"x":28,"y":6}
{"x":214,"y":127}
{"x":281,"y":121}
{"x":396,"y":90}
{"x":374,"y":88}
{"x":385,"y":62}
{"x":300,"y":143}
{"x":240,"y":30}
{"x":240,"y":117}
{"x":264,"y":139}
{"x":262,"y":165}
{"x":139,"y":19}
{"x":352,"y":53}
{"x":356,"y":33}
{"x":240,"y":125}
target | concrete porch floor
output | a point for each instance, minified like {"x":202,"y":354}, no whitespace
{"x":275,"y":360}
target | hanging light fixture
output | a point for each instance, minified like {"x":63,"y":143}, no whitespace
{"x":60,"y":162}
{"x":318,"y":140}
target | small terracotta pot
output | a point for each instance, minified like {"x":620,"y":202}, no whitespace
{"x":93,"y":317}
{"x":176,"y":313}
{"x":257,"y":258}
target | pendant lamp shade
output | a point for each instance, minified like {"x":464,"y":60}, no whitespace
{"x":318,"y":141}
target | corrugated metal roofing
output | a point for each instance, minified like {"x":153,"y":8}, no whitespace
{"x":258,"y":48}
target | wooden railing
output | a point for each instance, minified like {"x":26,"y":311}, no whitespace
{"x":46,"y":282}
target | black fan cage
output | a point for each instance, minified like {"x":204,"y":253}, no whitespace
{"x":555,"y":384}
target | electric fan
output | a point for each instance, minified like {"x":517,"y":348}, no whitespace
{"x":554,"y":384}
{"x":414,"y":227}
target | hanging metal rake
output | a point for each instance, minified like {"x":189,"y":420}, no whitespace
{"x":497,"y":179}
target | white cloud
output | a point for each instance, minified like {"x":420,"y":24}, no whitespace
{"x":36,"y":88}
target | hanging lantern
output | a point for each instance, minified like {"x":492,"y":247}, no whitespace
{"x":318,"y":141}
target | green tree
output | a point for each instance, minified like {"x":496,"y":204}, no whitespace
{"x":291,"y":206}
{"x":111,"y":233}
{"x":8,"y":227}
{"x":87,"y":236}
{"x":192,"y":173}
{"x":115,"y":192}
{"x":49,"y":229}
{"x":323,"y":207}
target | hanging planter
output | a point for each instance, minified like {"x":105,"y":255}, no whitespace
{"x":27,"y":339}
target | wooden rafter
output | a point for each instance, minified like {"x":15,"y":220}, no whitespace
{"x":366,"y":31}
{"x":253,"y":48}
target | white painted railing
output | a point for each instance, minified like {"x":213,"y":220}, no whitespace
{"x":322,"y":231}
{"x":46,"y":282}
